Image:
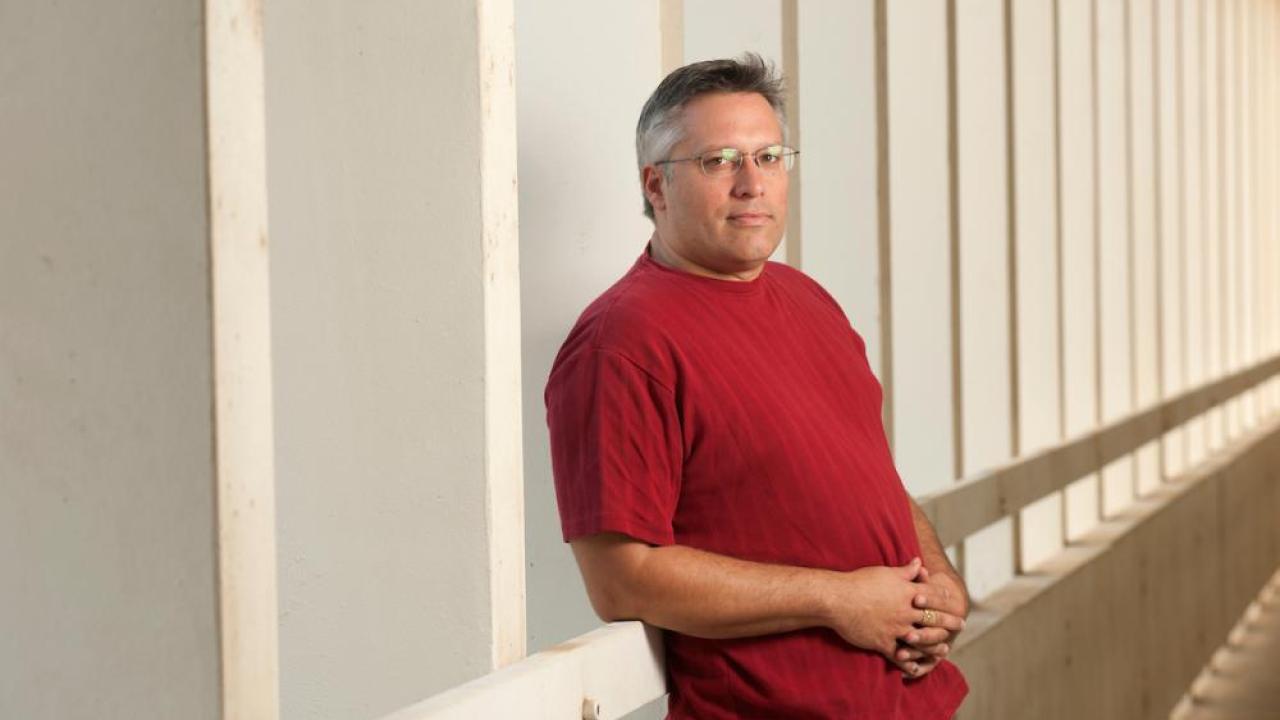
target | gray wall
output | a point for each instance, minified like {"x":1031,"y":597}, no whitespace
{"x":107,"y":517}
{"x":374,"y":130}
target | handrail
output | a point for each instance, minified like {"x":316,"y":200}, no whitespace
{"x":975,"y":503}
{"x":605,"y":673}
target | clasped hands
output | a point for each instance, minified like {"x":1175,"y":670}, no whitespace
{"x":907,"y":614}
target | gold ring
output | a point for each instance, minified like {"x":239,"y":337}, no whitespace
{"x":928,"y":617}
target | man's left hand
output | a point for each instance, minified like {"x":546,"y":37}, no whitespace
{"x":925,"y":647}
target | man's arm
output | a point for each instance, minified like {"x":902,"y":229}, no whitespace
{"x":714,"y":596}
{"x":952,"y":595}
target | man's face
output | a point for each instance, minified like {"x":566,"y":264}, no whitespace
{"x":721,"y":226}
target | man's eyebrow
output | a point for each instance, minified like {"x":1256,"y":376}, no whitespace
{"x":712,"y":147}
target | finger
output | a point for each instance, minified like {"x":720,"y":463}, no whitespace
{"x":936,"y":600}
{"x":937,"y":650}
{"x":918,"y":670}
{"x":904,"y":654}
{"x":912,"y":569}
{"x":930,"y":617}
{"x":927,"y":636}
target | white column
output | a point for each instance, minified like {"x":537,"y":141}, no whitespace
{"x":1036,"y":197}
{"x":1269,"y":283}
{"x":1144,"y":186}
{"x":983,"y":217}
{"x":920,"y":227}
{"x":1193,"y":166}
{"x":1268,"y":266}
{"x":392,"y":140}
{"x":1244,"y":28}
{"x":1234,"y":176}
{"x":135,"y":377}
{"x":1116,"y":314}
{"x":1170,"y":186}
{"x":1217,"y":206}
{"x":1079,"y":243}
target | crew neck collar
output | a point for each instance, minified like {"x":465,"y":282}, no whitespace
{"x":712,"y":283}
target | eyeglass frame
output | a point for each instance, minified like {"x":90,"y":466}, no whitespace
{"x":787,"y":152}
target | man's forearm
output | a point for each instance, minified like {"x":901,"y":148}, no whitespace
{"x":707,"y":595}
{"x":713,"y":596}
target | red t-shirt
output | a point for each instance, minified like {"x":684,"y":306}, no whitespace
{"x":740,"y":418}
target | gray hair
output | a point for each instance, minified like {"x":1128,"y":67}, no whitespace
{"x":660,"y":125}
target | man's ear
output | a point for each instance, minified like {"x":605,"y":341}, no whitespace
{"x":654,"y":183}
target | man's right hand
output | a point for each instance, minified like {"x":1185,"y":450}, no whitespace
{"x":873,"y":609}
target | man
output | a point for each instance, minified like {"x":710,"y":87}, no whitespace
{"x":721,"y":466}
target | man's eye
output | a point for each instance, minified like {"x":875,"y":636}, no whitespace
{"x":770,"y":158}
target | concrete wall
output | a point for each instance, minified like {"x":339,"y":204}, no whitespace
{"x":106,"y":371}
{"x":397,"y":374}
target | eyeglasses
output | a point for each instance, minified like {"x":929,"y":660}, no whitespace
{"x":728,"y":161}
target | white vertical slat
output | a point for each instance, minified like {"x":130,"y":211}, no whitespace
{"x":671,"y":33}
{"x":1114,"y":248}
{"x":1194,"y":225}
{"x":244,"y":454}
{"x":1145,"y":269}
{"x":1169,"y":115}
{"x":1213,"y":220}
{"x":1036,"y":233}
{"x":1236,"y":180}
{"x":500,"y":273}
{"x":1245,"y":28}
{"x":919,"y":217}
{"x":983,"y":220}
{"x":1079,"y":247}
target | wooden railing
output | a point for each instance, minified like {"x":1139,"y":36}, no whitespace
{"x":975,"y":503}
{"x":612,"y":671}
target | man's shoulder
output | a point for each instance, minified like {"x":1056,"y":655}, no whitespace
{"x":625,"y":320}
{"x":797,"y":280}
{"x":632,"y":307}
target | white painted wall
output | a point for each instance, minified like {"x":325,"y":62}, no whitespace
{"x":581,"y":228}
{"x":837,"y":167}
{"x":390,"y":285}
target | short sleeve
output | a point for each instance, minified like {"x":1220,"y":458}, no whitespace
{"x":615,"y":448}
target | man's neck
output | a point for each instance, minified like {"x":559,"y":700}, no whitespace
{"x":665,"y":256}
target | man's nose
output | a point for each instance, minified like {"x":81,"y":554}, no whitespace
{"x":749,"y":181}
